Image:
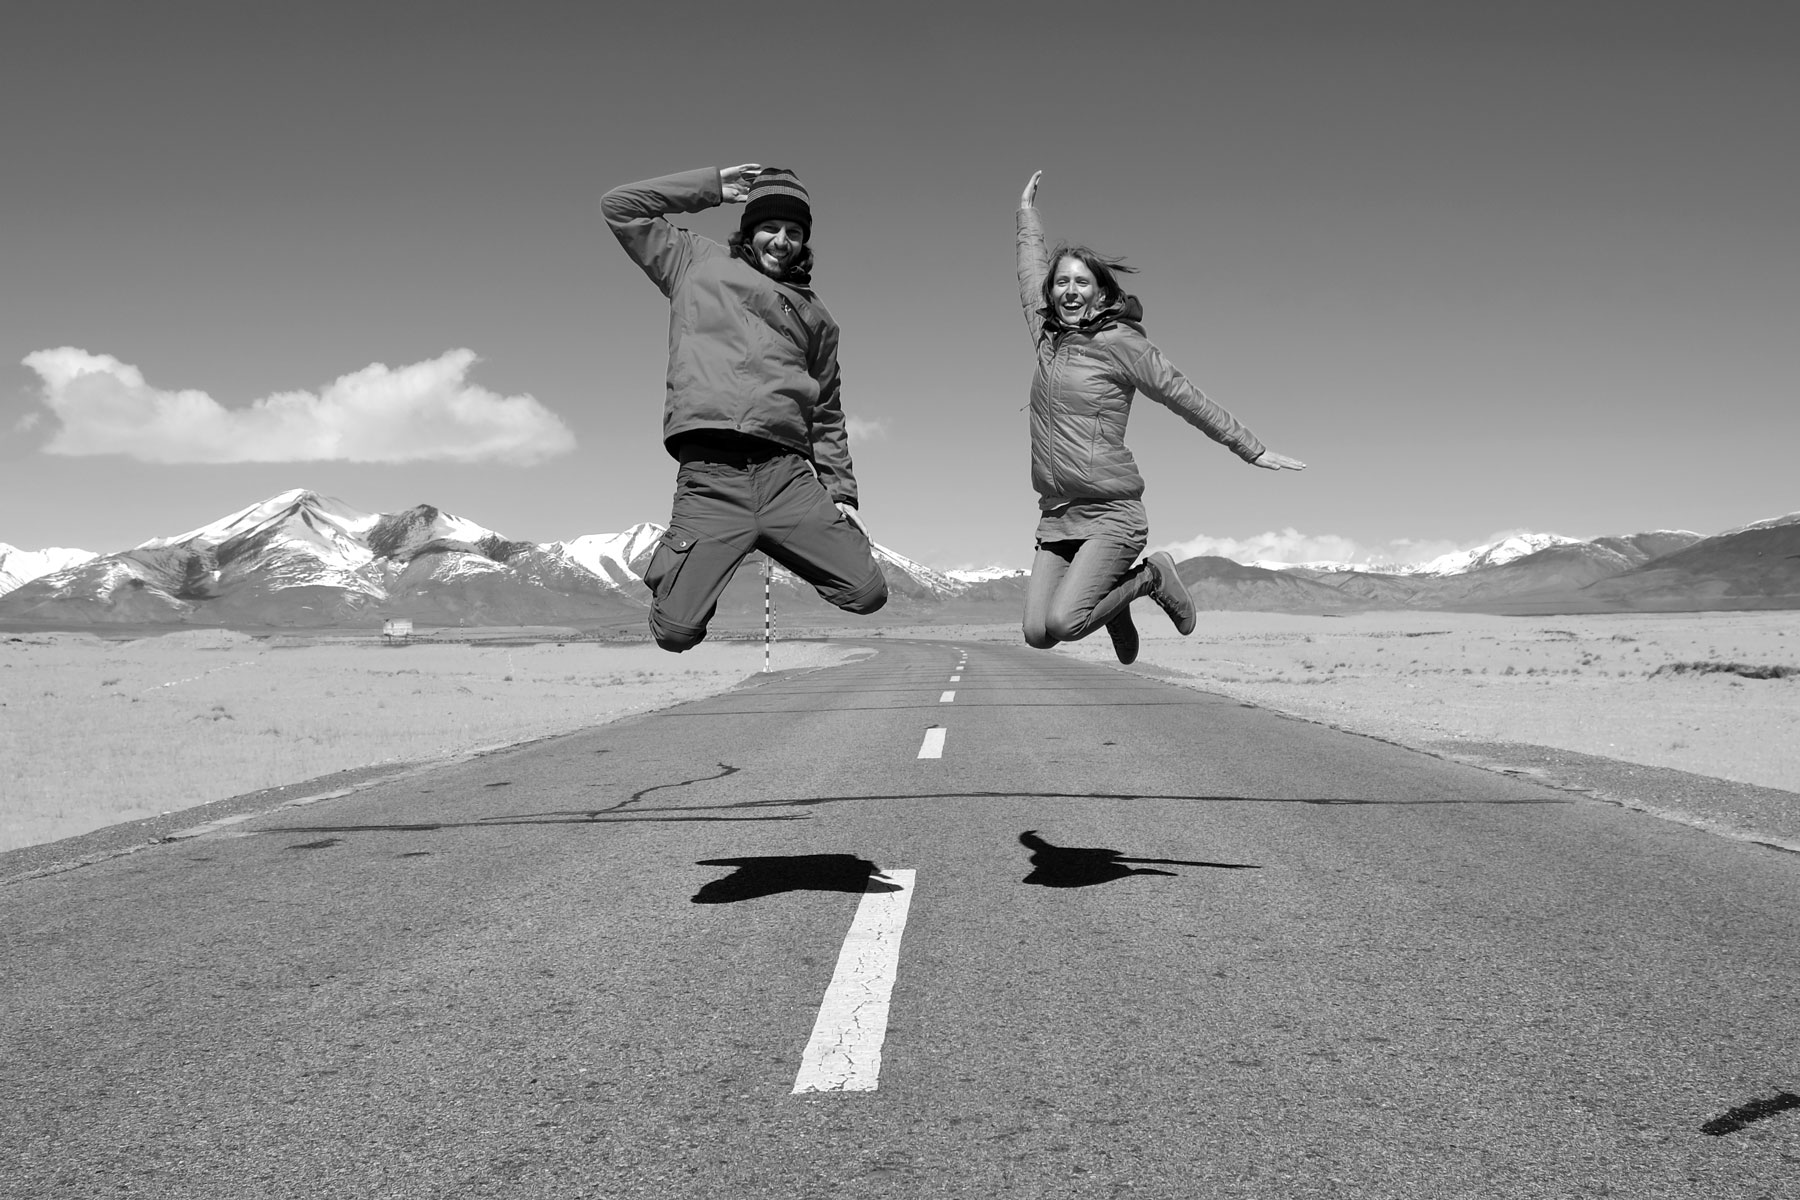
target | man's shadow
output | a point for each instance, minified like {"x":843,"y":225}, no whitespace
{"x":1086,"y":866}
{"x":770,"y":874}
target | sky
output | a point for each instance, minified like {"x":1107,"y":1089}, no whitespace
{"x":1485,"y":268}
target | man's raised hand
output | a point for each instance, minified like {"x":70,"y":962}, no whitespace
{"x":734,"y":182}
{"x":1271,"y":461}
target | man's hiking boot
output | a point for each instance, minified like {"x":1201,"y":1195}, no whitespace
{"x":1169,"y":592}
{"x":1124,"y":636}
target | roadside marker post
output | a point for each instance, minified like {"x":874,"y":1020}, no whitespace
{"x":768,"y":610}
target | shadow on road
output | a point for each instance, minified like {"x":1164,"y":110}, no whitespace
{"x":1086,"y":866}
{"x":730,"y":812}
{"x":1317,"y":801}
{"x":770,"y":874}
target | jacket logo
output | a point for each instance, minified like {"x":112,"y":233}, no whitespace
{"x":798,"y":338}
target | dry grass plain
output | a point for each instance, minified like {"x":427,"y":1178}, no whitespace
{"x":94,"y":732}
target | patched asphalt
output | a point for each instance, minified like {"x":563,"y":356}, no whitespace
{"x":1161,"y":944}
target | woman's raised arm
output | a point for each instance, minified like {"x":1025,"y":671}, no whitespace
{"x":1032,"y":267}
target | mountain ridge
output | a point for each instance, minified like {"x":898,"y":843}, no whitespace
{"x":300,"y":559}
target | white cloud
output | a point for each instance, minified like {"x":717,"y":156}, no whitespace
{"x":862,"y":429}
{"x":426,"y":411}
{"x":1288,"y":545}
{"x":1291,"y":546}
{"x":1410,"y":552}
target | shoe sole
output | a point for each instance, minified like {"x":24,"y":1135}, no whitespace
{"x":1185,"y":618}
{"x":1125,"y":655}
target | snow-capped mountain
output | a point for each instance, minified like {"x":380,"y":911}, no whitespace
{"x":1792,"y":518}
{"x":18,"y":567}
{"x":315,"y":511}
{"x":295,"y":539}
{"x":618,"y":557}
{"x":1323,"y":564}
{"x":1493,"y":554}
{"x":304,"y":559}
{"x":621,"y":558}
{"x":922,"y":578}
{"x":986,"y":574}
{"x":301,"y":559}
{"x":1457,"y":562}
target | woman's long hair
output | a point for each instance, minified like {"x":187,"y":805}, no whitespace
{"x":798,"y":272}
{"x":1105,"y":269}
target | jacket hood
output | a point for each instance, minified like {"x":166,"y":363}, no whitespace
{"x":1127,"y":308}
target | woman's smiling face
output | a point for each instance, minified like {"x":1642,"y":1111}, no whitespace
{"x":1074,"y":291}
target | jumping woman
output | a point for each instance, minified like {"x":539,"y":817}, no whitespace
{"x":1092,"y":358}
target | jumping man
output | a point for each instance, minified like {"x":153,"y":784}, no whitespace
{"x":752,"y":411}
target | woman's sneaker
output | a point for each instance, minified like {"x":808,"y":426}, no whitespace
{"x":1124,"y":636}
{"x":1169,"y":592}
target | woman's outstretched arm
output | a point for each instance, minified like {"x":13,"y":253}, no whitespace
{"x":1158,"y":379}
{"x":1032,"y":267}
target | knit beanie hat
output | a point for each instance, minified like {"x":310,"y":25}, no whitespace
{"x":777,"y":195}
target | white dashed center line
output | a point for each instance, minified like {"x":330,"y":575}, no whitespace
{"x":956,"y":679}
{"x":933,"y":745}
{"x":946,"y":698}
{"x":844,"y":1054}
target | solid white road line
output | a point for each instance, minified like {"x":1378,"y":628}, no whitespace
{"x":844,"y":1054}
{"x":933,"y":745}
{"x":946,"y":698}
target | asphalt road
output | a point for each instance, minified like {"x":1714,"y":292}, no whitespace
{"x":1160,"y":944}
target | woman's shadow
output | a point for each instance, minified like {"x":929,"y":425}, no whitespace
{"x":1086,"y":866}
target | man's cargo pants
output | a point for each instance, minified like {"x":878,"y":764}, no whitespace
{"x":729,"y":504}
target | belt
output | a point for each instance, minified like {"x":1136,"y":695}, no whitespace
{"x":736,"y":455}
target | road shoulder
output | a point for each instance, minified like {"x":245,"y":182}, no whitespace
{"x":1742,"y":811}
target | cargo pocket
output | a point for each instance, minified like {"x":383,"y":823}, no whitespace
{"x":665,"y":561}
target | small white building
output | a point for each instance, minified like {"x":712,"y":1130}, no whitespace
{"x":397,"y":631}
